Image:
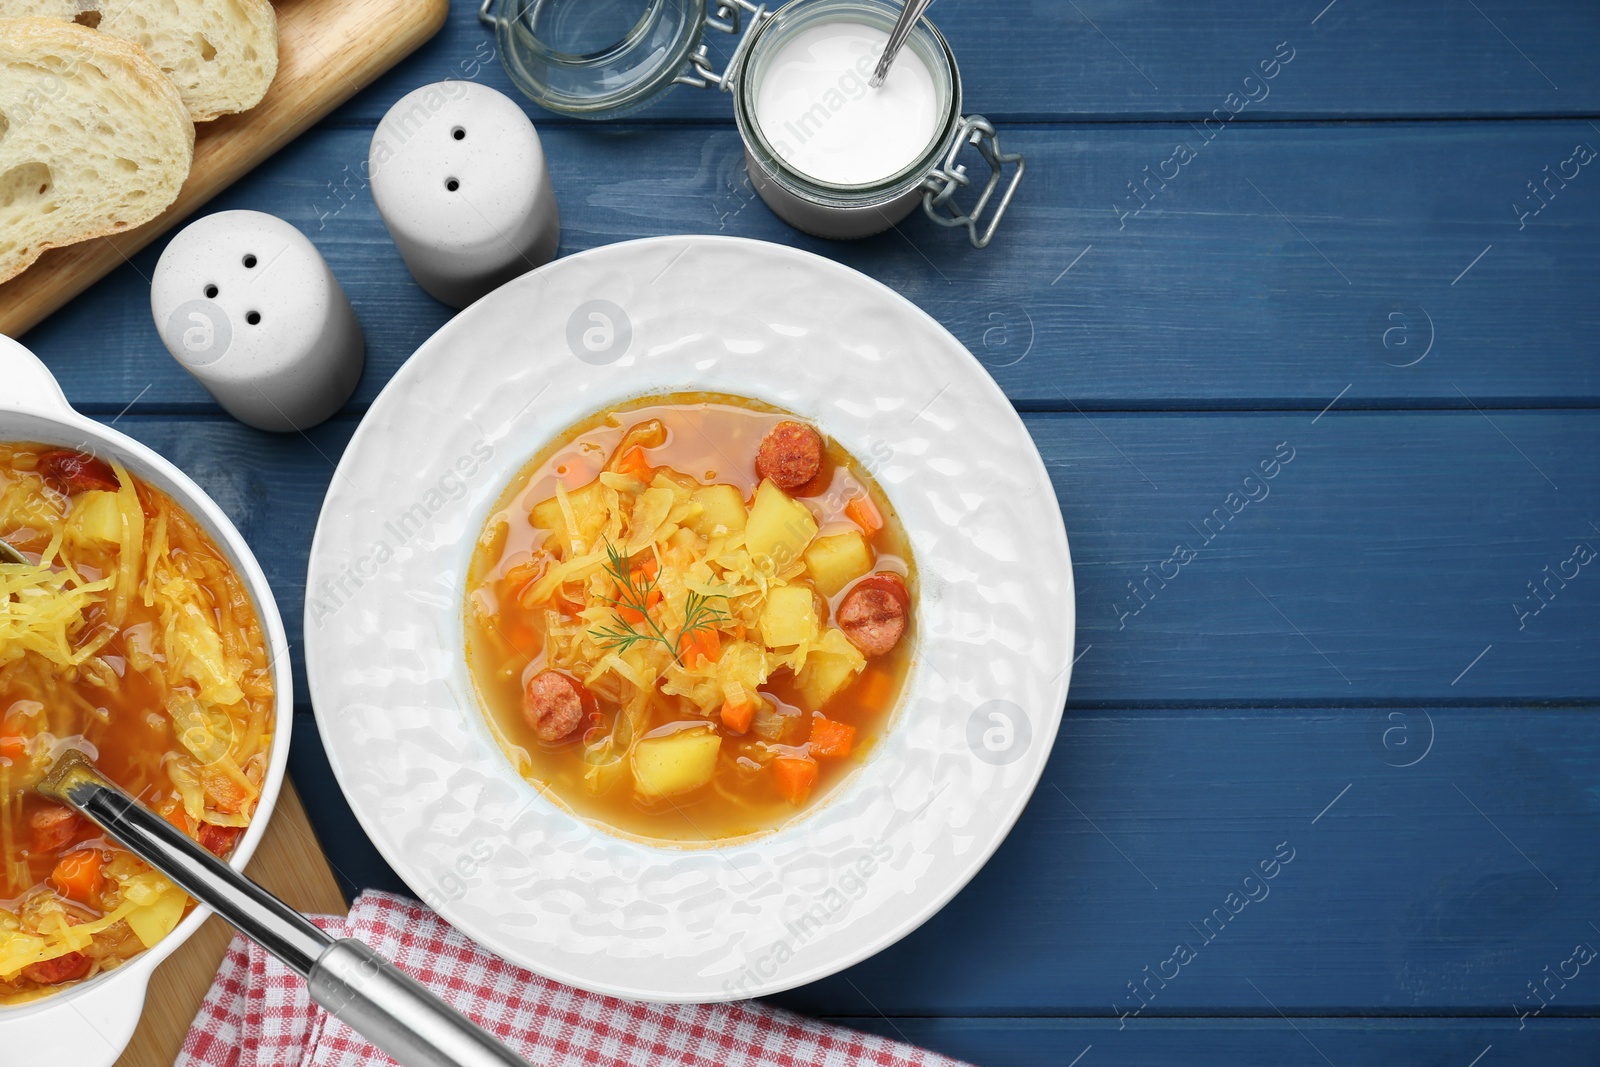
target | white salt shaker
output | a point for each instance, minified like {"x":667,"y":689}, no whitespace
{"x":459,"y":176}
{"x":246,"y":304}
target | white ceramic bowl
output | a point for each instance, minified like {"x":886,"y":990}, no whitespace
{"x":399,"y":716}
{"x":90,"y":1024}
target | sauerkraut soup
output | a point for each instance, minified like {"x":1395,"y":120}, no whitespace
{"x":128,"y":635}
{"x":690,"y":617}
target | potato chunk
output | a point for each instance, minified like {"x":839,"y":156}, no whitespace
{"x":779,"y":526}
{"x":151,"y":922}
{"x":588,"y":508}
{"x":789,"y":617}
{"x":830,"y":666}
{"x":96,"y":516}
{"x":721,"y":505}
{"x":668,"y":764}
{"x":837,"y":560}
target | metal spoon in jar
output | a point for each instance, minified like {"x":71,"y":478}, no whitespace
{"x":355,"y":984}
{"x":11,"y":555}
{"x":897,"y":39}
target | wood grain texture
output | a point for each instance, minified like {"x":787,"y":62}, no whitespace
{"x":1402,"y":896}
{"x":1376,"y":564}
{"x":1422,"y":841}
{"x":288,"y":863}
{"x":1275,"y":1041}
{"x":1110,"y":61}
{"x":1385,"y":660}
{"x":1282,"y":265}
{"x":326,"y":52}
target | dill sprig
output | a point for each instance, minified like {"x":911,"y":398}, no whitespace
{"x":633,"y":592}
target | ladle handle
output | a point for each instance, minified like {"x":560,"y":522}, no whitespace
{"x":251,"y":910}
{"x":373,"y":997}
{"x":399,"y":1014}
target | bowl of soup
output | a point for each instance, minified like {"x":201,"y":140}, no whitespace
{"x":689,"y":619}
{"x":140,"y":630}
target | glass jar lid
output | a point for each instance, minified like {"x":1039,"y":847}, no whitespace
{"x":596,"y":59}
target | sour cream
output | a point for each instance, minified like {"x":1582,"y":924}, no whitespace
{"x":818,"y":113}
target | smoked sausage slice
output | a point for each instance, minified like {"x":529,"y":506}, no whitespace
{"x":790,"y":455}
{"x":873,"y":614}
{"x":552,"y":704}
{"x":65,"y":968}
{"x":74,"y":472}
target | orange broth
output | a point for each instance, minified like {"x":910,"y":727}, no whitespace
{"x":135,"y":704}
{"x":710,"y":439}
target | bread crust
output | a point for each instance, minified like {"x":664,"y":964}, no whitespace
{"x":207,"y":94}
{"x":27,"y":40}
{"x":264,"y":18}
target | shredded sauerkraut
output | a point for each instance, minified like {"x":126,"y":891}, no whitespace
{"x":694,"y":615}
{"x":42,"y":609}
{"x":130,"y":637}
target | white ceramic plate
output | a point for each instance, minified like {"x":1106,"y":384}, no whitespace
{"x":402,"y":723}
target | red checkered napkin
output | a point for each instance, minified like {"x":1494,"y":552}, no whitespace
{"x":258,"y":1013}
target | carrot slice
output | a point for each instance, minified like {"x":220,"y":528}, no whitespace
{"x":77,"y":875}
{"x":642,"y":575}
{"x":175,"y":814}
{"x":831,"y":740}
{"x":864,"y":513}
{"x":525,"y":639}
{"x":872,"y":690}
{"x":630,"y":614}
{"x":634,"y":464}
{"x":737,"y":717}
{"x":14,"y":749}
{"x":795,"y":777}
{"x":699,"y":645}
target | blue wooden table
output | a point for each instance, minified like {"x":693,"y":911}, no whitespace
{"x":1358,"y":242}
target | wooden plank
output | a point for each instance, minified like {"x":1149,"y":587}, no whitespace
{"x":1442,"y":886}
{"x":288,"y":863}
{"x":1421,"y":842}
{"x":355,"y":863}
{"x":1283,"y":265}
{"x":1310,"y":1042}
{"x":1380,"y":563}
{"x":1104,"y":61}
{"x":326,"y":52}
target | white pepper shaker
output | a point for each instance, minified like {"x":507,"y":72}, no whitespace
{"x":246,"y":304}
{"x":460,"y":179}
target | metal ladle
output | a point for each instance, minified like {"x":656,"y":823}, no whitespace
{"x":897,"y":39}
{"x":355,"y":984}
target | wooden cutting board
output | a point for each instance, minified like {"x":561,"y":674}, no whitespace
{"x":327,"y":51}
{"x":289,"y":863}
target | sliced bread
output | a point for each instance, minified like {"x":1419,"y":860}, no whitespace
{"x":221,"y":54}
{"x":94,"y":138}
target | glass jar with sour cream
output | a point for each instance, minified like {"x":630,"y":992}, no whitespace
{"x":828,"y":153}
